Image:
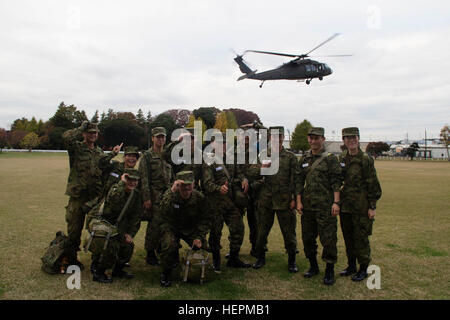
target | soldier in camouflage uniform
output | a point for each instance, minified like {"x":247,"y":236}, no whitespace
{"x":319,"y":183}
{"x":120,"y":211}
{"x":278,"y":194}
{"x":184,"y":216}
{"x":85,"y":179}
{"x":218,"y":181}
{"x":156,"y":177}
{"x":181,"y":165}
{"x":360,"y":193}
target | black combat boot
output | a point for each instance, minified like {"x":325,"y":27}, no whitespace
{"x":291,"y":263}
{"x":351,"y":268}
{"x":329,"y":274}
{"x":216,"y":260}
{"x":100,"y":276}
{"x":235,"y":262}
{"x":166,"y":278}
{"x":120,"y":273}
{"x":151,"y":258}
{"x":314,"y":268}
{"x":361,"y":274}
{"x":261,"y":262}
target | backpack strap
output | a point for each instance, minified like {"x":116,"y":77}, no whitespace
{"x":315,"y":164}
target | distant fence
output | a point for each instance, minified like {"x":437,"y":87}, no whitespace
{"x":408,"y":158}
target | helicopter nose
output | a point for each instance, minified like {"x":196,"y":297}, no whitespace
{"x":330,"y":70}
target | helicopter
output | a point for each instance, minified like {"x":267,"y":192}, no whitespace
{"x":300,"y":68}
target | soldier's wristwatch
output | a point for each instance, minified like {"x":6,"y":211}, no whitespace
{"x":338,"y":203}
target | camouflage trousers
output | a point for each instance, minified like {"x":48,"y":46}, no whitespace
{"x":152,"y":234}
{"x":226,"y":212}
{"x":170,"y":246}
{"x":356,"y":229}
{"x":75,"y":222}
{"x":287,"y":221}
{"x":322,"y":224}
{"x":117,"y":252}
{"x":252,"y":222}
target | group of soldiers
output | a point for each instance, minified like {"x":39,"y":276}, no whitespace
{"x":184,"y":200}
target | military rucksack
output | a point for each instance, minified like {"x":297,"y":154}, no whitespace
{"x":55,"y":259}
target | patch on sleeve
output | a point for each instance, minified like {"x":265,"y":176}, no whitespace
{"x":219,"y":168}
{"x":115,"y":175}
{"x":176,"y":206}
{"x":342,"y":164}
{"x":305,"y":165}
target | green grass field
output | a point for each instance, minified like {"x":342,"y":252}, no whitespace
{"x":410,"y":243}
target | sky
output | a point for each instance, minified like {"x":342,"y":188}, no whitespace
{"x":159,"y":55}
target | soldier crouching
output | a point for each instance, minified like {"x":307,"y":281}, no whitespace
{"x":184,"y":216}
{"x":111,"y":223}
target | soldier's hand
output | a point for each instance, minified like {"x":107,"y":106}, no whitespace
{"x":245,"y":185}
{"x":124,"y":177}
{"x":299,"y":207}
{"x":176,"y":186}
{"x":371,"y":214}
{"x":335,"y":210}
{"x":147,"y":205}
{"x":224,"y":188}
{"x":197,"y":243}
{"x":116,"y":149}
{"x":292,"y":204}
{"x":128,"y":239}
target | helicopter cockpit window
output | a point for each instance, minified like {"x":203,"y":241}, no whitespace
{"x":308,"y":67}
{"x":313,"y":68}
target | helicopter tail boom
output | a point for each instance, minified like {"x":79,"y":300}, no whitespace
{"x":242,"y":66}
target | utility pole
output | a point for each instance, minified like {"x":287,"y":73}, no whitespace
{"x":425,"y":144}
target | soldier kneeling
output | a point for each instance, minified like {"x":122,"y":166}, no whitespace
{"x":111,"y":223}
{"x":184,"y":216}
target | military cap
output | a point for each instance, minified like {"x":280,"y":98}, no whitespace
{"x":158,"y":131}
{"x":131,"y":150}
{"x":91,"y":127}
{"x":132,"y":173}
{"x":279,"y":128}
{"x":187,"y":177}
{"x":351,"y":131}
{"x":316,"y":131}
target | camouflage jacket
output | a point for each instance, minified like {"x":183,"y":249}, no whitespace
{"x":279,"y":190}
{"x":156,"y":176}
{"x":113,"y":205}
{"x":252,"y":173}
{"x":86,"y":165}
{"x":215,"y":175}
{"x":183,"y":166}
{"x":361,"y":186}
{"x":317,"y":188}
{"x":188,"y":217}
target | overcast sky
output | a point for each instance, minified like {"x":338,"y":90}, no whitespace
{"x":158,"y":55}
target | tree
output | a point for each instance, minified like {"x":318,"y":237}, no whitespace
{"x":179,"y":116}
{"x":208,"y":115}
{"x":445,"y":138}
{"x":15,"y":137}
{"x":244,"y":116}
{"x":30,"y":141}
{"x":55,"y":138}
{"x":116,"y":131}
{"x":191,"y":123}
{"x":411,"y":151}
{"x":95,"y":117}
{"x":225,"y":120}
{"x":140,"y":118}
{"x":376,"y":148}
{"x":299,"y":139}
{"x":68,"y":117}
{"x":2,"y":139}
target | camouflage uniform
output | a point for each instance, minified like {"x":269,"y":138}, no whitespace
{"x":317,"y":191}
{"x":214,"y":176}
{"x":85,"y":180}
{"x":277,"y":192}
{"x":156,"y":177}
{"x":117,"y":251}
{"x":360,"y":191}
{"x":182,"y":219}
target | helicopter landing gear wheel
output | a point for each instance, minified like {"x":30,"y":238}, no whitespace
{"x":320,"y":78}
{"x":308,"y":81}
{"x":261,"y":84}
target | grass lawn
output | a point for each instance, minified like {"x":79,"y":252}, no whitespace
{"x":410,"y":243}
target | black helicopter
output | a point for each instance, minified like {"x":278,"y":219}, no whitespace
{"x":300,"y":69}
